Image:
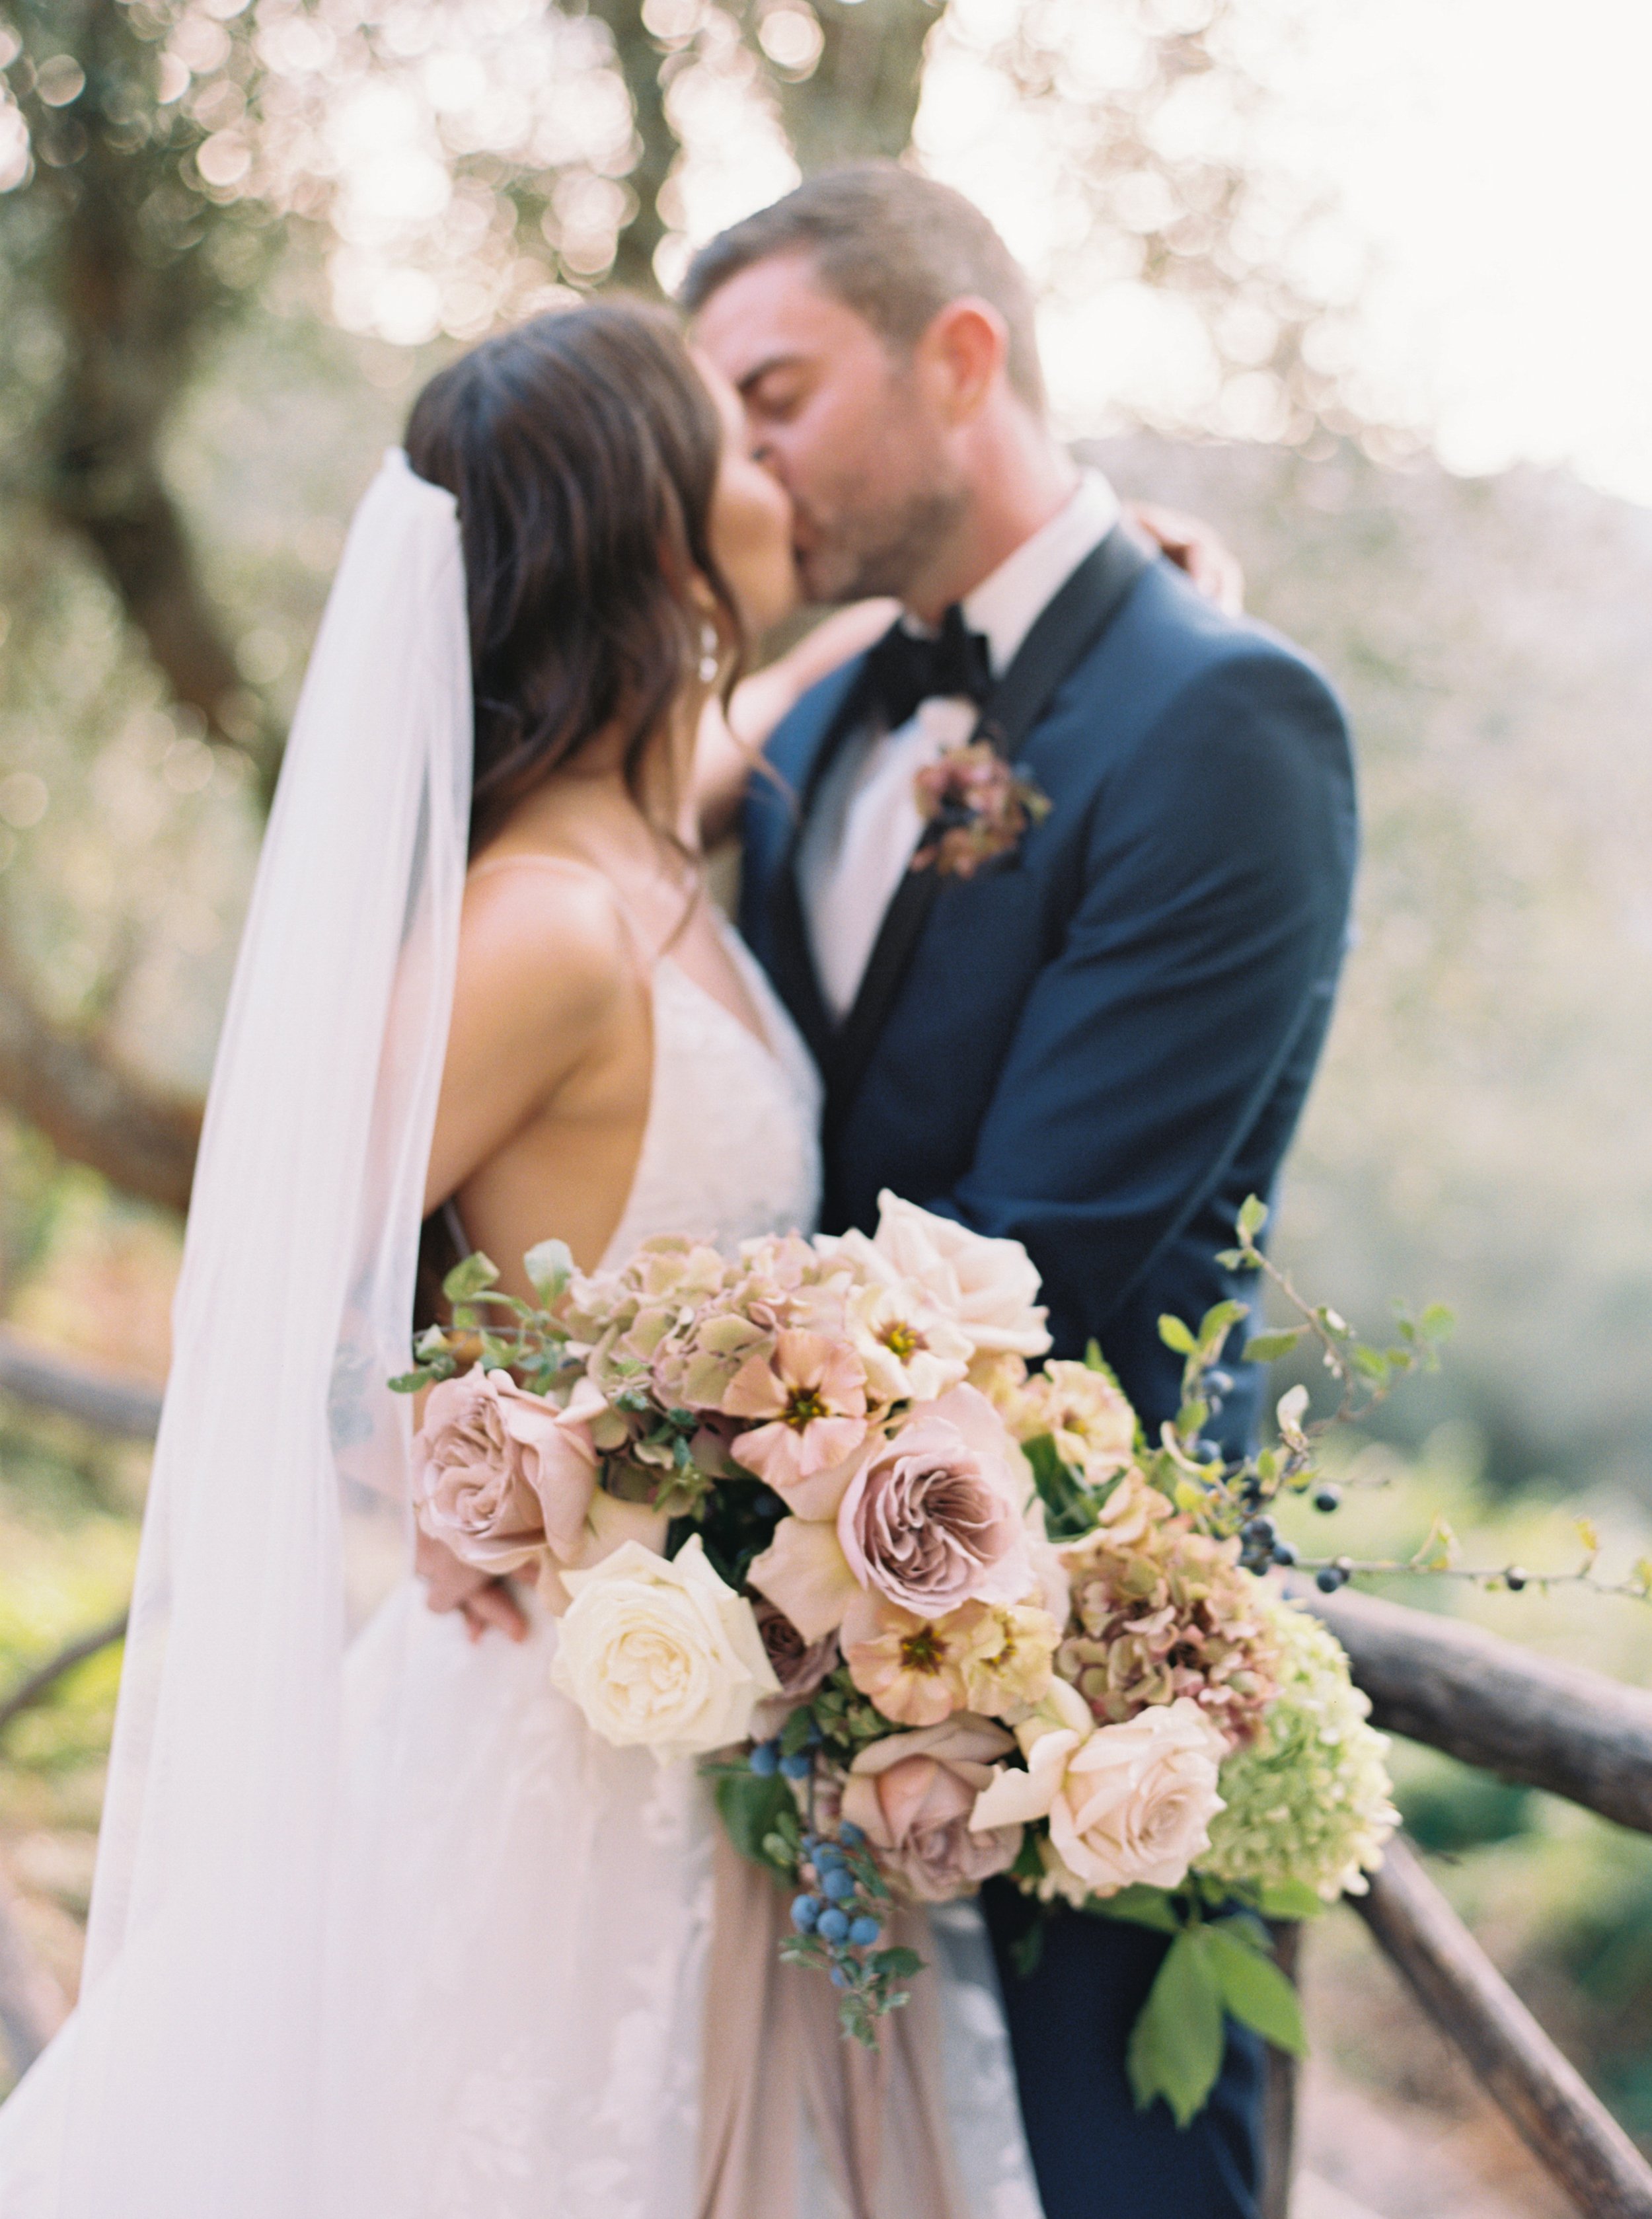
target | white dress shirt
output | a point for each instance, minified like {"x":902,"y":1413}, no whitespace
{"x":864,"y":821}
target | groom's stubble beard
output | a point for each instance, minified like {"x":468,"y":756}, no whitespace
{"x":866,"y":552}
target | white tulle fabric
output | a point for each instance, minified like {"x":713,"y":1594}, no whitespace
{"x":386,"y":1932}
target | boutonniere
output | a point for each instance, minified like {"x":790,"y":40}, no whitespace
{"x":975,"y":806}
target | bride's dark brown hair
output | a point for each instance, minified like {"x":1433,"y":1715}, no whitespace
{"x":582,"y":448}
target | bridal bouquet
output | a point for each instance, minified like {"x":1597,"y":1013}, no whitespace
{"x":931,"y":1615}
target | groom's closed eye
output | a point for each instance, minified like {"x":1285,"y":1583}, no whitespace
{"x":775,"y":391}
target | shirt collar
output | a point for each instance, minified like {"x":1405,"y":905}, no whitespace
{"x":1006,"y":604}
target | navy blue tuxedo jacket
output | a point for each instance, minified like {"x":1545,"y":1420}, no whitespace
{"x":1100,"y":1045}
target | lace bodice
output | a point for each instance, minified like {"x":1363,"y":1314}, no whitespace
{"x":731,"y":1147}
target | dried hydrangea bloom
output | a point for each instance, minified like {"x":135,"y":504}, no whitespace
{"x":1309,"y":1800}
{"x":1160,"y":1611}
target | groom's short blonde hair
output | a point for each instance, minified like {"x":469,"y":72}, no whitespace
{"x":893,"y":246}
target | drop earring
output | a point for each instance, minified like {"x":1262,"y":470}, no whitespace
{"x":709,"y":658}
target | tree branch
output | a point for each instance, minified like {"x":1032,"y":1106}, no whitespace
{"x":1551,"y":2107}
{"x":40,"y":1683}
{"x":140,"y":1137}
{"x":88,"y":1393}
{"x":1560,"y":1727}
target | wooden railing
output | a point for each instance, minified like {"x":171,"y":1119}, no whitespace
{"x":1573,"y":1732}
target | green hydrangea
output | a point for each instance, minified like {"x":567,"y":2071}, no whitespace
{"x":1309,"y":1800}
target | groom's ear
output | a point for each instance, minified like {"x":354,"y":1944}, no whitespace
{"x":962,"y":357}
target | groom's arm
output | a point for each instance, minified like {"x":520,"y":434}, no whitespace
{"x":1164,"y":1052}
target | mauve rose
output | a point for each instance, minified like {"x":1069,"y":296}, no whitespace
{"x":933,"y":1517}
{"x":912,"y":1794}
{"x":499,"y":1474}
{"x":799,"y":1665}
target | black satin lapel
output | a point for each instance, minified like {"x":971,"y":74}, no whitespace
{"x":1064,"y":632}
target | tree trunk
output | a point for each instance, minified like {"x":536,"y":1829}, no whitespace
{"x":1554,"y":2111}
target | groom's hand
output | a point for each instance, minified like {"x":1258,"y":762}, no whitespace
{"x":480,"y":1599}
{"x":1194,"y":546}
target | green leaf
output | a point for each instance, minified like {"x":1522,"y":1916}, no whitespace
{"x":794,"y":1734}
{"x":1217,"y":1322}
{"x":897,"y":1964}
{"x":1291,"y":1898}
{"x":1371,"y":1363}
{"x":1176,"y":1335}
{"x":1067,"y":1500}
{"x":1253,"y":1217}
{"x":1269,"y":1347}
{"x":1256,"y":1992}
{"x":1139,"y":1906}
{"x":751,"y":1808}
{"x":467,"y":1279}
{"x":1437,"y":1320}
{"x":1231,"y":1260}
{"x":409,"y":1382}
{"x":1176,"y":2042}
{"x":550,"y":1266}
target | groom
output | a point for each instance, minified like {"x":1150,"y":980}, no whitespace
{"x":1097,"y":1041}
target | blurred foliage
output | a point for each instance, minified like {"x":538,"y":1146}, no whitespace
{"x":1477,"y":1134}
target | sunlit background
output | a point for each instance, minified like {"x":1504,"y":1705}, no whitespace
{"x":1362,"y":282}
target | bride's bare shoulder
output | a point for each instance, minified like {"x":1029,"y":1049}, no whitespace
{"x":548,"y":929}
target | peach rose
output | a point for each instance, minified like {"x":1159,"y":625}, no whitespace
{"x":1128,"y":1805}
{"x":932,"y":1517}
{"x":499,"y":1474}
{"x":912,"y":1796}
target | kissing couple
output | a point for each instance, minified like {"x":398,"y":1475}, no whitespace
{"x":1046,"y":866}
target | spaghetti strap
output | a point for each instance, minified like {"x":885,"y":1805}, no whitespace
{"x":568,"y":866}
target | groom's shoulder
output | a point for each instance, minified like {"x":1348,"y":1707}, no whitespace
{"x":1172,"y":650}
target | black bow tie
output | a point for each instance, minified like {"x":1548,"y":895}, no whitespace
{"x":903,"y":669}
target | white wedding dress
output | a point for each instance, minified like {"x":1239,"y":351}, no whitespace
{"x":541,"y":1901}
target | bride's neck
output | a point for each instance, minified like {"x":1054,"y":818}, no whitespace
{"x":657,"y":801}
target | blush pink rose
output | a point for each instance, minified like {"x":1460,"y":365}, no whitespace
{"x":912,"y":1795}
{"x":499,"y":1474}
{"x":932,"y":1517}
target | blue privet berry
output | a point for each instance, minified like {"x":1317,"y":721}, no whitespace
{"x":832,"y":1925}
{"x":835,"y":1884}
{"x":765,"y":1760}
{"x":1330,"y":1579}
{"x":1261,"y":1529}
{"x":850,"y":1835}
{"x":806,"y":1910}
{"x":863,"y":1932}
{"x":798,"y":1766}
{"x":1328,"y":1498}
{"x":1284,"y":1552}
{"x":827,"y":1855}
{"x":841,"y":1976}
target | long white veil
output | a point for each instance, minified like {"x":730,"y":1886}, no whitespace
{"x":195,"y":2084}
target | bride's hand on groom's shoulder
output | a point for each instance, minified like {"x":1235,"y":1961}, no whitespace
{"x":1197,"y":547}
{"x":482,"y":1601}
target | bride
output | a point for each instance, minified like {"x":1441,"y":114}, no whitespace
{"x":380,"y":1927}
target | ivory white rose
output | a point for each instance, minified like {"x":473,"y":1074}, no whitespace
{"x":987,"y":1289}
{"x":1128,"y":1805}
{"x":661,"y":1653}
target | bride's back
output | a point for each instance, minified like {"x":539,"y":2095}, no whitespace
{"x":614,"y":544}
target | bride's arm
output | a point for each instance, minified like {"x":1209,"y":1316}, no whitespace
{"x":542,"y":961}
{"x":729,"y":745}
